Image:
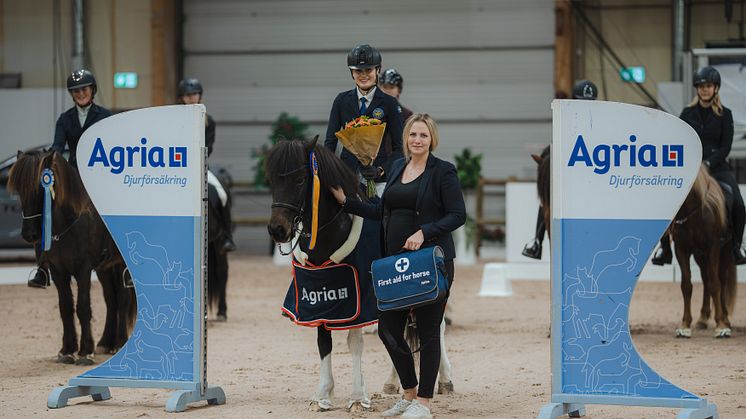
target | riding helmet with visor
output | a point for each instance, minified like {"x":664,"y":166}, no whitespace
{"x":363,"y":56}
{"x":707,"y":74}
{"x":585,"y":89}
{"x":189,"y":86}
{"x":392,"y":77}
{"x":81,"y":78}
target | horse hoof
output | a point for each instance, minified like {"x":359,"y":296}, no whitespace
{"x":722,"y":333}
{"x":321,"y":405}
{"x":221,"y":318}
{"x":683,"y":333}
{"x":66,"y":358}
{"x":701,"y":325}
{"x":445,"y":388}
{"x":85,"y":360}
{"x":104,"y":350}
{"x":358,"y":406}
{"x":390,"y":389}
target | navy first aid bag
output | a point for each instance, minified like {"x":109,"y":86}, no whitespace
{"x":408,"y":280}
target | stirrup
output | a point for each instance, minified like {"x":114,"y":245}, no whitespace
{"x":125,"y":282}
{"x":661,"y":257}
{"x":30,"y":281}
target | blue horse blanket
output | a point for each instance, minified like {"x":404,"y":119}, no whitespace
{"x":336,"y":295}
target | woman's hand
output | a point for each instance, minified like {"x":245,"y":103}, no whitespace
{"x":339,"y":194}
{"x":415,"y":241}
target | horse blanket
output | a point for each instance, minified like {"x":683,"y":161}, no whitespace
{"x":336,"y":295}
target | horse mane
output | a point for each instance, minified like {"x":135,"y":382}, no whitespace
{"x":710,"y":195}
{"x":287,"y":155}
{"x":25,"y":176}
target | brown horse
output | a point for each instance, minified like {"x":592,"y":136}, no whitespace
{"x":80,"y":243}
{"x":699,"y":229}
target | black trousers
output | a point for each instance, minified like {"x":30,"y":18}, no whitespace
{"x":391,"y":326}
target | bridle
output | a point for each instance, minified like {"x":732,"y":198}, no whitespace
{"x":299,"y":210}
{"x":55,"y":237}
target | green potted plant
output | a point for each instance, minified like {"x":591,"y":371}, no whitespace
{"x":285,"y":127}
{"x":469,"y":171}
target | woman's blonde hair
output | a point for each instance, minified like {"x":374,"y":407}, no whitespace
{"x":431,"y":126}
{"x":717,"y":106}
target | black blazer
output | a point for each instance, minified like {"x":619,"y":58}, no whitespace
{"x":440,"y":205}
{"x":384,"y":107}
{"x":715,"y":133}
{"x":68,"y":129}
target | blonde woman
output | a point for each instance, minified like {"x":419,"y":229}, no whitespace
{"x":714,"y":125}
{"x":420,"y":207}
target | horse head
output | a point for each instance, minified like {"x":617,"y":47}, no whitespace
{"x":288,"y":171}
{"x":25,"y":180}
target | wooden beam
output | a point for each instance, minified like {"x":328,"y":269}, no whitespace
{"x":158,"y":54}
{"x":563,"y":49}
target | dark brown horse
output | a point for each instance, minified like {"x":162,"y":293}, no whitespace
{"x":217,"y":259}
{"x":699,"y":229}
{"x":80,"y":243}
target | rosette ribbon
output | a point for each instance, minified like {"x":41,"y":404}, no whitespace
{"x":47,"y":184}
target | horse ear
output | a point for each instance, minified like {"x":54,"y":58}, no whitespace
{"x":312,"y":145}
{"x":536,"y":158}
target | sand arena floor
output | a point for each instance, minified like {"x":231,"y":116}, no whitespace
{"x":269,"y":367}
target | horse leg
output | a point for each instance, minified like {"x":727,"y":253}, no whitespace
{"x":67,"y":310}
{"x":704,"y":313}
{"x":325,"y":390}
{"x":445,"y":382}
{"x":684,"y":330}
{"x":722,"y":330}
{"x":223,"y":285}
{"x":391,"y":385}
{"x":359,"y":398}
{"x":106,"y":344}
{"x":83,"y":309}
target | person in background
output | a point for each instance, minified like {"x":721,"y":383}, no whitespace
{"x":364,"y":63}
{"x":584,"y":90}
{"x":190,"y":93}
{"x":81,"y":84}
{"x":714,"y":125}
{"x":420,"y":207}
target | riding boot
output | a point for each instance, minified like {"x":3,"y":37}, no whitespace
{"x":533,"y":248}
{"x":663,"y":255}
{"x":225,"y":219}
{"x":39,"y":280}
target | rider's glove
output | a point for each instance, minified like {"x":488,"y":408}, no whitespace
{"x":370,"y":172}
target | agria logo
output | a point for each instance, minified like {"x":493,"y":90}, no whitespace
{"x":605,"y":156}
{"x":119,"y":158}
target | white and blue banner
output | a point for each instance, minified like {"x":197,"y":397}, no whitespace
{"x":144,"y":173}
{"x":619,"y":174}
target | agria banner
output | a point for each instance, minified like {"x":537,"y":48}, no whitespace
{"x":144,"y":172}
{"x":619,"y":175}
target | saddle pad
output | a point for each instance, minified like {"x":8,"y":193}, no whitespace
{"x":321,"y":295}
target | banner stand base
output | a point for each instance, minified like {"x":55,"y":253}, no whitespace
{"x":574,"y":410}
{"x":59,"y":396}
{"x":556,"y":410}
{"x":178,"y":401}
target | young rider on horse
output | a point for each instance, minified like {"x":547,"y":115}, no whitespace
{"x":70,"y":126}
{"x":714,"y":125}
{"x":190,"y":93}
{"x":364,"y":63}
{"x":584,"y":90}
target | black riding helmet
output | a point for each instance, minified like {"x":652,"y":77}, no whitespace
{"x":707,"y":74}
{"x":585,"y":89}
{"x":189,"y":85}
{"x":392,"y":77}
{"x":363,"y":56}
{"x":81,"y":78}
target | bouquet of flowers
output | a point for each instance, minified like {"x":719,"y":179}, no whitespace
{"x":362,"y":137}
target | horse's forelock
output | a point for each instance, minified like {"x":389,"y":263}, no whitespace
{"x":25,"y":174}
{"x":283,"y":157}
